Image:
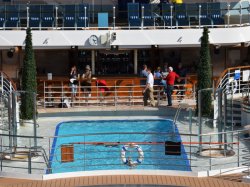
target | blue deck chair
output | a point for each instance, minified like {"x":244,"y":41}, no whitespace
{"x":12,"y":16}
{"x":166,"y":15}
{"x":245,"y":12}
{"x":69,"y":16}
{"x":47,"y":16}
{"x":2,"y":16}
{"x":204,"y":17}
{"x":148,"y":15}
{"x":181,"y":15}
{"x":34,"y":16}
{"x":133,"y":15}
{"x":82,"y":16}
{"x":215,"y":13}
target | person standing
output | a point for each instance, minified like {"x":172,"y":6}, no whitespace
{"x":143,"y":74}
{"x":73,"y":80}
{"x":148,"y":92}
{"x":86,"y":81}
{"x":170,"y":79}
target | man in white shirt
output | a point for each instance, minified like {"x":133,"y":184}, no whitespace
{"x":148,"y":92}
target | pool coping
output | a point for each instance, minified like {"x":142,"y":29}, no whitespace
{"x":123,"y":173}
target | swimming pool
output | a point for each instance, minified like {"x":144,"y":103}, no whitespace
{"x":100,"y":145}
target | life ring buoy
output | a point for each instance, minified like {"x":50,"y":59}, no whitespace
{"x":130,"y":162}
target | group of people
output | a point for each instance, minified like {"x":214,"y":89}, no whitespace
{"x":85,"y":80}
{"x":165,"y":78}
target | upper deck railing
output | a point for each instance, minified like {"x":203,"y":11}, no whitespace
{"x":130,"y":15}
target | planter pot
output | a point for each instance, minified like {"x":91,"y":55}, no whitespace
{"x":27,"y":123}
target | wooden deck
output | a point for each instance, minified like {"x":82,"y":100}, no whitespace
{"x":133,"y":180}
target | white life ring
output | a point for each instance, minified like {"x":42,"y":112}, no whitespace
{"x":130,"y":162}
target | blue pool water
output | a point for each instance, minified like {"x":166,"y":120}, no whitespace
{"x":92,"y":155}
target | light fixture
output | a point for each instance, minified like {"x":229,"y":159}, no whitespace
{"x":10,"y":53}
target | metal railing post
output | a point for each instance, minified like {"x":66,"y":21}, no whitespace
{"x":240,"y":13}
{"x":2,"y":89}
{"x":10,"y":119}
{"x":113,"y":17}
{"x":34,"y":120}
{"x":28,"y":17}
{"x":199,"y":120}
{"x":56,"y":17}
{"x":228,"y":17}
{"x":85,"y":17}
{"x":199,"y":16}
{"x":142,"y":17}
{"x":219,"y":91}
{"x":29,"y":162}
{"x":1,"y":151}
{"x":171,"y":16}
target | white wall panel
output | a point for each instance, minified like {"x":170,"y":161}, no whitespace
{"x":126,"y":38}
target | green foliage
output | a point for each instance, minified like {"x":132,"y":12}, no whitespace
{"x":28,"y":84}
{"x":204,"y":75}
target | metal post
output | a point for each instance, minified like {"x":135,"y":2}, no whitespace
{"x":113,"y":17}
{"x":34,"y":121}
{"x":219,"y":92}
{"x":14,"y":122}
{"x":142,"y":17}
{"x":199,"y":16}
{"x":240,"y":13}
{"x":28,"y":17}
{"x":228,"y":17}
{"x":199,"y":120}
{"x":85,"y":17}
{"x":171,"y":17}
{"x":2,"y":89}
{"x":190,"y":132}
{"x":10,"y":119}
{"x":56,"y":16}
{"x":135,"y":61}
{"x":29,"y":162}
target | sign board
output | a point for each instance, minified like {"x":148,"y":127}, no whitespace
{"x":246,"y":75}
{"x":237,"y":74}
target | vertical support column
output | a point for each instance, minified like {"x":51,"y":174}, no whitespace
{"x":135,"y":61}
{"x":93,"y":61}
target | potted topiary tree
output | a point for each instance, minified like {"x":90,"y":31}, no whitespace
{"x":28,"y":81}
{"x":204,"y":75}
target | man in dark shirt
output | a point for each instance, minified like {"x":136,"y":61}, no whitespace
{"x":170,"y":79}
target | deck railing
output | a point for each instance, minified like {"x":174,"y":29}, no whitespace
{"x":84,"y":16}
{"x":75,"y":152}
{"x":116,"y":92}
